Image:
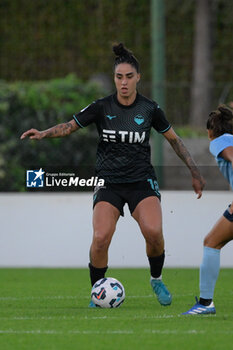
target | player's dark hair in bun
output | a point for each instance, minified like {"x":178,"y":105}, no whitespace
{"x":123,"y":55}
{"x":221,"y":121}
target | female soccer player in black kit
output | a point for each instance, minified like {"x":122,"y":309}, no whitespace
{"x":124,"y":121}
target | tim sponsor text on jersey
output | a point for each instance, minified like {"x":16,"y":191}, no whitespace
{"x":123,"y":136}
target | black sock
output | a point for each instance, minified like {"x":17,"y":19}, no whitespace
{"x":205,"y":302}
{"x":156,"y":265}
{"x":96,"y":273}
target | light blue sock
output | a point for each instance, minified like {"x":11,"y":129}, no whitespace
{"x":209,"y":271}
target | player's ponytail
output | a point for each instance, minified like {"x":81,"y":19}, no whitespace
{"x":123,"y":55}
{"x":221,"y":121}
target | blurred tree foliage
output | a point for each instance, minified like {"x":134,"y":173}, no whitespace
{"x":45,"y":41}
{"x":40,"y":105}
{"x":48,"y":39}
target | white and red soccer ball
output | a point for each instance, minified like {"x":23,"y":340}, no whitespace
{"x":108,"y":293}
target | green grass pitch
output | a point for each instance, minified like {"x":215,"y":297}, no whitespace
{"x":48,"y":309}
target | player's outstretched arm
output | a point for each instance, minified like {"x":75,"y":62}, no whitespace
{"x":59,"y":130}
{"x":177,"y":144}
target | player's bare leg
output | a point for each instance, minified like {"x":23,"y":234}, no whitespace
{"x":148,"y":214}
{"x":220,"y":234}
{"x":105,"y":217}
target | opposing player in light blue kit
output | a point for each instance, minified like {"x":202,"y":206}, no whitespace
{"x":220,"y":133}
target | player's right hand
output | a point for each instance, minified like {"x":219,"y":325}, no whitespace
{"x":198,"y":184}
{"x":33,"y":134}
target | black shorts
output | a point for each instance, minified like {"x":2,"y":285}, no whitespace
{"x":227,"y":215}
{"x":130,"y":193}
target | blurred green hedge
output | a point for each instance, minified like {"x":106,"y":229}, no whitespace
{"x":44,"y":39}
{"x":40,"y":105}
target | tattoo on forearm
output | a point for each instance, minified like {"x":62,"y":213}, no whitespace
{"x":182,"y":152}
{"x":59,"y":130}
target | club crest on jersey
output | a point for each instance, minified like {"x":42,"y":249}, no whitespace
{"x":123,"y":136}
{"x":110,"y":117}
{"x":139,"y":119}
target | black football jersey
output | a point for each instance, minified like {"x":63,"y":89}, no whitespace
{"x":123,"y":153}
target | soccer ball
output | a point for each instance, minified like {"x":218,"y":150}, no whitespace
{"x":108,"y":293}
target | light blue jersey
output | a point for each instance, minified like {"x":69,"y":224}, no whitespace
{"x":216,"y":147}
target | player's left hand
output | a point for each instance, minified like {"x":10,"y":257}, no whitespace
{"x":198,"y":185}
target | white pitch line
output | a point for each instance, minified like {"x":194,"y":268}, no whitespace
{"x":168,"y":331}
{"x":47,"y":318}
{"x":64,"y":297}
{"x":55,"y":297}
{"x":52,"y":331}
{"x":118,"y":331}
{"x":37,"y":331}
